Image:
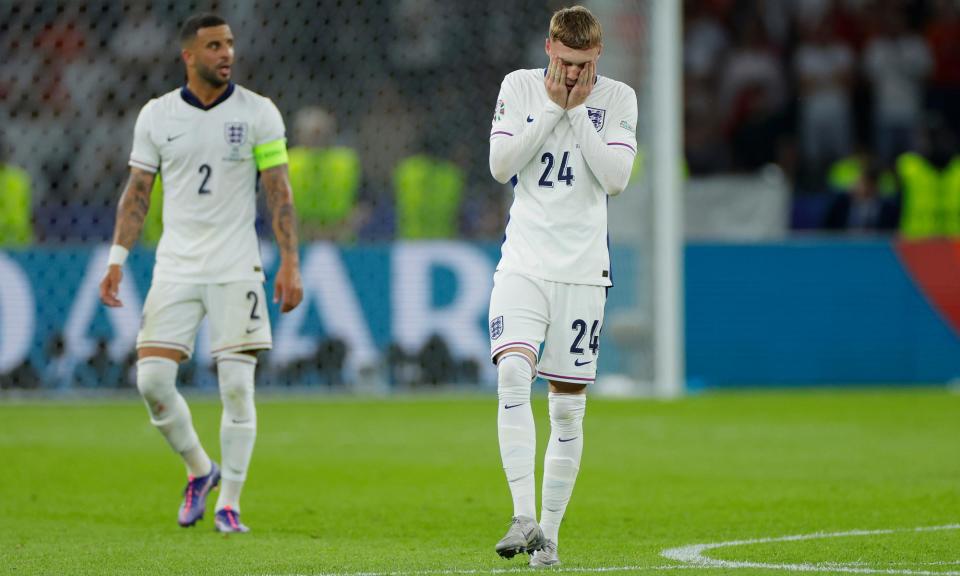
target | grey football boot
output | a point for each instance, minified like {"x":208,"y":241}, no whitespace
{"x":524,"y":535}
{"x":545,"y":557}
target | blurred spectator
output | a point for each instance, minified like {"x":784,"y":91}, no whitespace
{"x":705,"y":40}
{"x":705,"y":43}
{"x":897,"y":63}
{"x":99,"y":370}
{"x":59,"y":368}
{"x":824,"y":67}
{"x":863,"y":209}
{"x":752,"y":98}
{"x":325,"y":179}
{"x":943,"y":36}
{"x":845,"y":174}
{"x":428,"y":197}
{"x":16,"y":225}
{"x":330,"y":360}
{"x":930,"y":181}
{"x":437,"y":365}
{"x":389,"y":131}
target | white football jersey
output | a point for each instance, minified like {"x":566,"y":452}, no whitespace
{"x":558,"y":221}
{"x":205,"y":157}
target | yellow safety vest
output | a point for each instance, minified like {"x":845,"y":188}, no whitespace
{"x":931,"y":198}
{"x":428,"y":197}
{"x":16,"y":227}
{"x":325,"y":183}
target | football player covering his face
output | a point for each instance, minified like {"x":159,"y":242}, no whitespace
{"x":564,"y":138}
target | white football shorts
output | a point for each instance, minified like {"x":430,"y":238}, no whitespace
{"x":567,"y":318}
{"x":237,"y":313}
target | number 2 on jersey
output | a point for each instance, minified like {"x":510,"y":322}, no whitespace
{"x":565,"y":174}
{"x":206,"y":170}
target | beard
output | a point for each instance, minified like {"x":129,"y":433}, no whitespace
{"x":211,"y":77}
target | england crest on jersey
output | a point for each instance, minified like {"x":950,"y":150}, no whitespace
{"x":597,"y":116}
{"x":235,"y":133}
{"x":496,"y":327}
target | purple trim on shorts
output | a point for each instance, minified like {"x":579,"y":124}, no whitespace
{"x":245,"y":346}
{"x":163,"y":344}
{"x":502,"y":347}
{"x":500,"y":132}
{"x":575,"y":379}
{"x":632,"y":149}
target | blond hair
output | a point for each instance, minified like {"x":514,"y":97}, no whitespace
{"x":576,"y":27}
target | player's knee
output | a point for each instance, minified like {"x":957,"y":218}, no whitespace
{"x":156,"y":381}
{"x":567,"y":410}
{"x":514,"y":376}
{"x":235,"y":375}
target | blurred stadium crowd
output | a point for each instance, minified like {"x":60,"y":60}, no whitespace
{"x":857,"y":97}
{"x":382,"y":98}
{"x":387,"y":104}
{"x":388,"y":101}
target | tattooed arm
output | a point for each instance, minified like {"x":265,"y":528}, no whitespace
{"x":131,"y":212}
{"x":287,"y":289}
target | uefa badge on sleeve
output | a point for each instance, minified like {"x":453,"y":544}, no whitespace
{"x":496,"y":327}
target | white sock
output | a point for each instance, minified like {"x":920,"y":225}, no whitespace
{"x":562,"y":461}
{"x":157,"y":383}
{"x":238,"y":424}
{"x":517,"y":431}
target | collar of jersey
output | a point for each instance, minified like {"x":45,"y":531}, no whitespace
{"x":191,"y":99}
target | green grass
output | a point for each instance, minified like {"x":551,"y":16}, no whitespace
{"x":347,"y":486}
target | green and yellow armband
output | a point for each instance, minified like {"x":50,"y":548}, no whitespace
{"x":270,"y":154}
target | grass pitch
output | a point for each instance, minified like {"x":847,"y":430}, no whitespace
{"x":343,"y":486}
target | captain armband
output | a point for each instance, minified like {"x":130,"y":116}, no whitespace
{"x":270,"y":154}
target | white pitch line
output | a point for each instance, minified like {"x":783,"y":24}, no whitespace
{"x":692,"y":558}
{"x":693,"y":555}
{"x":524,"y":569}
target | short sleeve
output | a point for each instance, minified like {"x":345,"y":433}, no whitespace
{"x":508,"y":113}
{"x":269,"y":124}
{"x":622,"y":127}
{"x":270,"y":145}
{"x":145,"y":155}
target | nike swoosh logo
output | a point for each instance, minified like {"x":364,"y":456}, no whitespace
{"x":509,"y":406}
{"x":251,"y":330}
{"x":567,"y":439}
{"x":172,"y":138}
{"x":529,"y":119}
{"x":235,"y":421}
{"x":579,"y":363}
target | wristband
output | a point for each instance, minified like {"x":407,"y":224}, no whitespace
{"x":118,"y":255}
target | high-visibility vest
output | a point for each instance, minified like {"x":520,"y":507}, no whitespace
{"x":428,"y":194}
{"x":16,"y":227}
{"x":950,"y":188}
{"x":846,"y":172}
{"x":931,"y":198}
{"x":325,"y":183}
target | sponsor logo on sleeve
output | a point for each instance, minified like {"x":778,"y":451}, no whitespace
{"x":500,"y":111}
